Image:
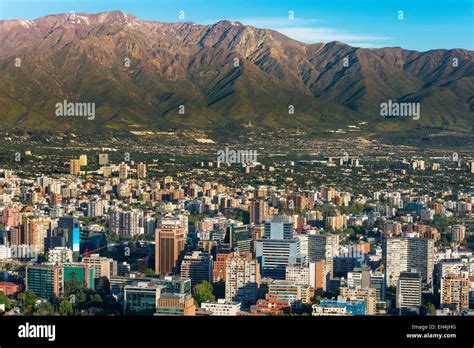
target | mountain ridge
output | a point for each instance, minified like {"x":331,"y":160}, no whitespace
{"x":224,"y":73}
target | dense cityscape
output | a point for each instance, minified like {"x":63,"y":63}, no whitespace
{"x":322,"y":228}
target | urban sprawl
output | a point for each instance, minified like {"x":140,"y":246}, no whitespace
{"x":115,"y":240}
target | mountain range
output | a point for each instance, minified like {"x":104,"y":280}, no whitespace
{"x":145,"y":75}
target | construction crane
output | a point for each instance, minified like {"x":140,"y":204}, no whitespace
{"x":85,"y":258}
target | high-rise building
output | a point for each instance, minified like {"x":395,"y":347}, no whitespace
{"x":323,"y":247}
{"x":278,"y":248}
{"x":319,"y":275}
{"x":68,"y":226}
{"x":240,"y":239}
{"x":279,"y":227}
{"x":74,"y":167}
{"x":126,"y":223}
{"x":274,"y":255}
{"x":141,"y":170}
{"x":241,"y":280}
{"x":123,"y":170}
{"x":46,"y":281}
{"x":103,"y":159}
{"x":405,"y":254}
{"x":100,"y":264}
{"x":83,"y":160}
{"x":365,"y":278}
{"x":220,"y":266}
{"x":170,"y":242}
{"x":298,"y":274}
{"x":34,"y":231}
{"x":10,"y":217}
{"x":409,"y":292}
{"x":197,"y":267}
{"x":458,"y":233}
{"x":454,"y":291}
{"x":258,"y":211}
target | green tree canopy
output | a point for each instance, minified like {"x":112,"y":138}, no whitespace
{"x":203,"y":292}
{"x":5,"y":300}
{"x":65,"y":307}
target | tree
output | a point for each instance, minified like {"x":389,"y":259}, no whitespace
{"x":203,"y":292}
{"x":27,"y":300}
{"x":65,"y":307}
{"x":45,"y":309}
{"x":96,"y":299}
{"x":428,"y":309}
{"x":317,"y":299}
{"x":150,"y":273}
{"x":5,"y":300}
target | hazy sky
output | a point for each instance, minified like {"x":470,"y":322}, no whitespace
{"x":426,"y":24}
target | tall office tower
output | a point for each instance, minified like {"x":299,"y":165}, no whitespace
{"x":455,"y":291}
{"x":170,"y":242}
{"x":405,"y":254}
{"x":274,"y":255}
{"x":74,"y":167}
{"x":103,"y":159}
{"x":409,"y":292}
{"x":241,"y":280}
{"x":123,"y":170}
{"x":141,"y":170}
{"x":240,"y":240}
{"x":197,"y":267}
{"x":258,"y":211}
{"x":368,"y":295}
{"x":278,"y":249}
{"x":323,"y":247}
{"x":458,"y":233}
{"x":83,"y":160}
{"x":68,"y":227}
{"x":366,"y":278}
{"x":279,"y":227}
{"x":46,"y":281}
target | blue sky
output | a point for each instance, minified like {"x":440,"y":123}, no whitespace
{"x":426,"y":24}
